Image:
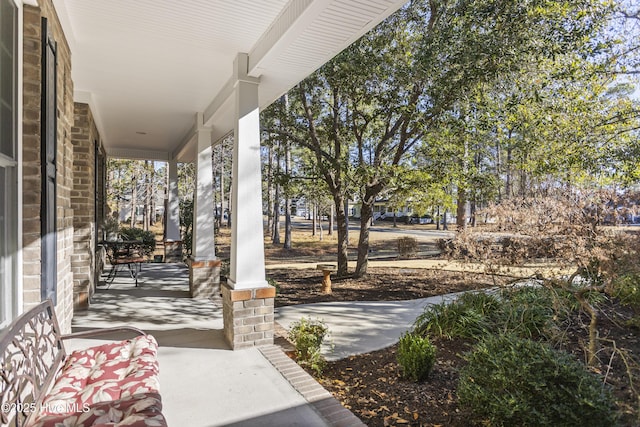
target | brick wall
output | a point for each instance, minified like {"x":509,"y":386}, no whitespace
{"x":204,"y":279}
{"x":248,"y":316}
{"x":84,"y":137}
{"x":31,"y":162}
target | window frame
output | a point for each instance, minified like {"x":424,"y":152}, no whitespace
{"x":11,"y":288}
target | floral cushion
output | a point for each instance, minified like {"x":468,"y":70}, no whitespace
{"x":104,"y":373}
{"x":141,"y":410}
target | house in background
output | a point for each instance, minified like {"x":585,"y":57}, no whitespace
{"x":155,"y":209}
{"x":382,"y":209}
{"x":160,"y":80}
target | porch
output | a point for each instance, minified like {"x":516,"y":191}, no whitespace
{"x":160,"y":82}
{"x":204,"y":382}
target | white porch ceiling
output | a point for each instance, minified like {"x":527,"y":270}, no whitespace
{"x":146,"y":67}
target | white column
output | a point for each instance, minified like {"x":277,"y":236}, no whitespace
{"x":203,"y":248}
{"x":247,"y":242}
{"x":173,"y":205}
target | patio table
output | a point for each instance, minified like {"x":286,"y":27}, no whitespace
{"x":124,"y":252}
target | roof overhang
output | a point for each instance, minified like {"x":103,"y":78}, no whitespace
{"x":148,"y":67}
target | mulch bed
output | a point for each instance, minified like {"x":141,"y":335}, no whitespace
{"x":370,"y":385}
{"x":380,"y":284}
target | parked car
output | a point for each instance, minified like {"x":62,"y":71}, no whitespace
{"x":398,"y":218}
{"x":415,"y":219}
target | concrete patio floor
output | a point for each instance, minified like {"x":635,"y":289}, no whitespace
{"x":203,"y":382}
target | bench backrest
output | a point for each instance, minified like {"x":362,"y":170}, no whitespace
{"x":31,"y":352}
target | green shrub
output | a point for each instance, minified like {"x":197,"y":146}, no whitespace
{"x":510,"y":381}
{"x":467,"y":317}
{"x":273,"y":282}
{"x":627,"y":289}
{"x":186,"y":226}
{"x":416,"y":356}
{"x":225,"y":268}
{"x":147,"y":237}
{"x":527,"y":312}
{"x":307,"y":336}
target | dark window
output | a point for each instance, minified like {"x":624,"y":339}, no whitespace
{"x":49,"y":137}
{"x":8,"y":143}
{"x":8,"y":74}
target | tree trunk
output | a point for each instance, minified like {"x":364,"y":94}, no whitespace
{"x":152,"y":209}
{"x":110,"y":180}
{"x":146,"y":214}
{"x":343,"y":234}
{"x":346,"y":219}
{"x":366,"y":215}
{"x":438,"y":219}
{"x":134,"y":198}
{"x":287,"y":190}
{"x":445,"y":220}
{"x":474,"y":199}
{"x":276,"y":198}
{"x":461,"y":218}
{"x":331,"y":224}
{"x":498,"y":168}
{"x":287,"y":200}
{"x":473,"y":213}
{"x":276,"y":217}
{"x":592,"y":349}
{"x":287,"y":224}
{"x":270,"y":190}
{"x":313,"y":219}
{"x":523,"y":182}
{"x":222,"y":185}
{"x":508,"y":184}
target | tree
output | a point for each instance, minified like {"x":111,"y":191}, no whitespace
{"x":363,"y":112}
{"x":118,"y":183}
{"x":134,"y":181}
{"x":186,"y":190}
{"x":279,"y":171}
{"x":625,"y":23}
{"x":222,"y":180}
{"x":560,"y":121}
{"x":287,"y":186}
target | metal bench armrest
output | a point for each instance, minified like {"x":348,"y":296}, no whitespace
{"x":105,"y":331}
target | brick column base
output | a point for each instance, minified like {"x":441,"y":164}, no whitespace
{"x":248,"y":316}
{"x":172,"y":251}
{"x":80,"y":300}
{"x":204,"y":278}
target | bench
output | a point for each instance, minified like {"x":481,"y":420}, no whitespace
{"x":108,"y":385}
